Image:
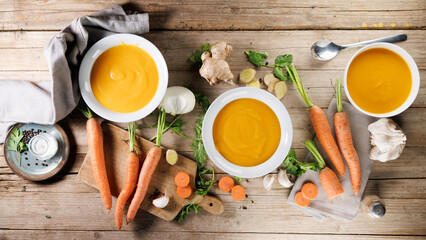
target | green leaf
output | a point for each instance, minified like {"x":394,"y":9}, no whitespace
{"x":296,"y":168}
{"x":186,"y":210}
{"x":257,"y":58}
{"x":196,"y":56}
{"x":279,"y":73}
{"x":283,"y":60}
{"x":238,"y":179}
{"x":15,"y":143}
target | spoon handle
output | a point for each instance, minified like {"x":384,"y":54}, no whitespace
{"x":396,"y":38}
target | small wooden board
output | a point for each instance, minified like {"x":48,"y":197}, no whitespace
{"x":116,"y":151}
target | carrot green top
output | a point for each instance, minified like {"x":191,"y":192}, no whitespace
{"x":295,"y":78}
{"x":84,"y":109}
{"x":310,"y":145}
{"x":339,"y":95}
{"x":131,"y":127}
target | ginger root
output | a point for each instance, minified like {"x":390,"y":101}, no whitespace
{"x":253,"y":83}
{"x":215,"y":68}
{"x":270,"y":80}
{"x":247,"y":75}
{"x":280,"y":89}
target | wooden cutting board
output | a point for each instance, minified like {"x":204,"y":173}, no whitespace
{"x":116,"y":151}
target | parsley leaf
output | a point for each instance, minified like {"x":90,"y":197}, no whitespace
{"x":279,"y":73}
{"x":283,"y":60}
{"x":238,"y":179}
{"x":257,"y":58}
{"x":203,"y":185}
{"x":16,"y":144}
{"x":296,"y":168}
{"x":199,"y":153}
{"x":186,"y":210}
{"x":196,"y":56}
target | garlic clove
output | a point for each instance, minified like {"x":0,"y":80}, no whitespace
{"x":283,"y":179}
{"x":161,"y":202}
{"x":268,"y":180}
{"x":178,"y":100}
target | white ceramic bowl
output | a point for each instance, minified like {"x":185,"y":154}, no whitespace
{"x":96,"y":50}
{"x":414,"y":76}
{"x":283,"y":118}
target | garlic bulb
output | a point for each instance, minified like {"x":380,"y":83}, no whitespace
{"x":268,"y":180}
{"x":161,"y":202}
{"x":178,"y":100}
{"x":387,"y":138}
{"x":283,"y":179}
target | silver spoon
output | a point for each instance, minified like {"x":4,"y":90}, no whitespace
{"x":325,"y":50}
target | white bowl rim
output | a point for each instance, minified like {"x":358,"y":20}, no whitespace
{"x":415,"y":76}
{"x":96,"y":50}
{"x":283,"y":118}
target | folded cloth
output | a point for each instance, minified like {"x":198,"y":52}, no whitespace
{"x":49,"y":101}
{"x":345,"y":206}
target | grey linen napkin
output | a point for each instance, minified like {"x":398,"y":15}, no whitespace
{"x":49,"y":101}
{"x":345,"y":206}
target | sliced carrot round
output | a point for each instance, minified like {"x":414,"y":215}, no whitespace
{"x":182,"y":179}
{"x":309,"y":191}
{"x":300,"y":200}
{"x":226,"y":184}
{"x":238,"y":192}
{"x":184,"y":192}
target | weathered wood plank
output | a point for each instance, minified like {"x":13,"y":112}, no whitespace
{"x":408,"y":165}
{"x":22,"y":51}
{"x":84,"y":211}
{"x":111,"y":235}
{"x":225,"y":15}
{"x":389,"y":189}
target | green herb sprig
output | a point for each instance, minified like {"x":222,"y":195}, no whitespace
{"x":281,"y":62}
{"x":16,"y":144}
{"x":196,"y":57}
{"x":295,"y":167}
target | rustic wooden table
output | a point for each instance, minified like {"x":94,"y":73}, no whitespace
{"x":63,"y":208}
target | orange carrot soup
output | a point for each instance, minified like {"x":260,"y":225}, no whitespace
{"x":246,"y":132}
{"x":379,"y":80}
{"x":124,"y":78}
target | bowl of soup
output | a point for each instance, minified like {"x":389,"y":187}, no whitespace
{"x":381,"y":80}
{"x":247,"y":132}
{"x":123,"y":77}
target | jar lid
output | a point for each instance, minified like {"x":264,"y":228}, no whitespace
{"x":377,"y":209}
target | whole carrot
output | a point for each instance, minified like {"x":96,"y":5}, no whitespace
{"x":148,"y":168}
{"x":329,"y":180}
{"x":96,"y":153}
{"x":320,"y":124}
{"x":344,"y":139}
{"x":131,"y":178}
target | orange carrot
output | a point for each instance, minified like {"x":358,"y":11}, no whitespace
{"x":226,"y":184}
{"x":329,"y":180}
{"x":182,"y":179}
{"x":330,"y":183}
{"x":131,"y":178}
{"x":238,"y":192}
{"x":309,"y":191}
{"x":300,"y":200}
{"x":96,"y":151}
{"x":184,"y":192}
{"x":344,"y":139}
{"x":320,"y":124}
{"x":148,"y":168}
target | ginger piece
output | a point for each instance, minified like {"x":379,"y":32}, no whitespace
{"x":247,"y":75}
{"x":171,"y":156}
{"x":270,"y":80}
{"x":215,"y":68}
{"x":254,"y":83}
{"x":280,"y":89}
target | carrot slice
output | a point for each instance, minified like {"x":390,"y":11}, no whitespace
{"x":226,"y":184}
{"x":309,"y":191}
{"x":182,"y":179}
{"x":184,"y":192}
{"x":300,"y":200}
{"x":238,"y":192}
